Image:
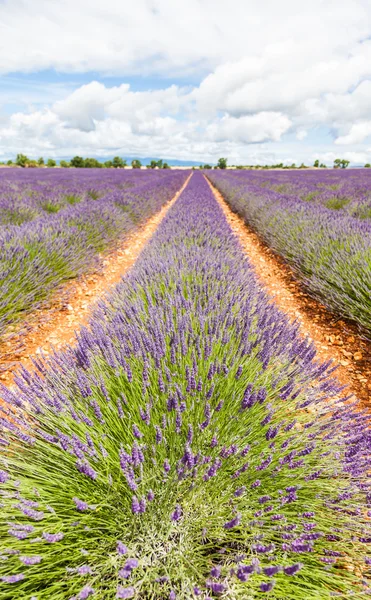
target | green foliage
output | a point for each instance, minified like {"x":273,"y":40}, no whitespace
{"x":316,"y":163}
{"x":40,"y":161}
{"x":9,"y":162}
{"x":222,"y":163}
{"x":77,"y":162}
{"x":51,"y":163}
{"x":165,"y":166}
{"x":118,"y":162}
{"x":64,"y":164}
{"x":367,"y":166}
{"x":92,"y":163}
{"x":136,"y":164}
{"x":21,"y":160}
{"x":340,"y":163}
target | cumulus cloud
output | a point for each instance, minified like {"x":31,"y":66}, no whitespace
{"x":266,"y":75}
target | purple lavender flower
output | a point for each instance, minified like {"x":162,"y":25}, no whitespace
{"x":53,"y":537}
{"x":30,"y":560}
{"x":177,"y":514}
{"x":3,"y":477}
{"x":13,"y":578}
{"x":293,"y":569}
{"x":121,"y":548}
{"x":233,"y":523}
{"x":127,"y":592}
{"x":80,"y":504}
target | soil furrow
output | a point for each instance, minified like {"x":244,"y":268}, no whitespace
{"x":333,"y":337}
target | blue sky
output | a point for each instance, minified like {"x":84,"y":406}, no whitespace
{"x":257,"y":82}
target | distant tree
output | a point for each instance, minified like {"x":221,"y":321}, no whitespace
{"x":323,"y":166}
{"x":77,"y":162}
{"x":51,"y":163}
{"x":367,"y":166}
{"x":40,"y":161}
{"x":165,"y":166}
{"x":108,"y":164}
{"x":159,"y":164}
{"x":316,"y":163}
{"x":118,"y":162}
{"x":64,"y":164}
{"x":21,"y":160}
{"x":207,"y":166}
{"x":92,"y":163}
{"x":136,"y":164}
{"x":222,"y":163}
{"x":153,"y":164}
{"x":9,"y":162}
{"x":341,"y":163}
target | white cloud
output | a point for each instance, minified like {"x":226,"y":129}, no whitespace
{"x":249,"y":129}
{"x":269,"y":72}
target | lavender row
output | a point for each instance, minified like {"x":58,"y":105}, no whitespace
{"x":348,"y":191}
{"x":189,"y":446}
{"x":63,"y":241}
{"x":329,"y":250}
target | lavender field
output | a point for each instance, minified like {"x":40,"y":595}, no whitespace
{"x":319,"y":222}
{"x":54,"y":223}
{"x":191,"y":444}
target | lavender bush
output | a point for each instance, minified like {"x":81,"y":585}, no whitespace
{"x":328,"y":249}
{"x":62,"y":220}
{"x":189,"y":446}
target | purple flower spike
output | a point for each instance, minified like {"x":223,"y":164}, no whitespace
{"x":3,"y":476}
{"x":80,"y":504}
{"x":215,"y":572}
{"x":135,"y":506}
{"x":127,"y":592}
{"x":30,"y":560}
{"x":86,"y":591}
{"x":233,"y":523}
{"x":293,"y":569}
{"x":12,"y":578}
{"x":177,"y":514}
{"x":172,"y":595}
{"x":53,"y":537}
{"x":267,"y":587}
{"x":121,"y":548}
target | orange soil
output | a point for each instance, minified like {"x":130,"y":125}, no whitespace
{"x":333,"y":338}
{"x":54,"y":326}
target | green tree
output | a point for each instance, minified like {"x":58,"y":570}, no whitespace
{"x":40,"y":161}
{"x":153,"y":164}
{"x":222,"y":163}
{"x":51,"y":163}
{"x":316,"y":163}
{"x":64,"y":164}
{"x":118,"y":162}
{"x":77,"y":162}
{"x":323,"y":166}
{"x":21,"y":160}
{"x":9,"y":162}
{"x":207,"y":166}
{"x":92,"y":163}
{"x":136,"y":164}
{"x":159,"y":164}
{"x":165,"y":165}
{"x":340,"y":163}
{"x":367,"y":166}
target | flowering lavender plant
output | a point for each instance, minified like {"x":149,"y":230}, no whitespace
{"x":54,"y":223}
{"x":302,"y":217}
{"x":172,"y":452}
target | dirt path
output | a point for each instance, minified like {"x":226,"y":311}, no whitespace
{"x":70,"y":307}
{"x":332,"y":337}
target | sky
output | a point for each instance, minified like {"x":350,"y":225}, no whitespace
{"x":258,"y":82}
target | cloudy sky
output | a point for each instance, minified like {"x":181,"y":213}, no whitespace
{"x":256,"y":81}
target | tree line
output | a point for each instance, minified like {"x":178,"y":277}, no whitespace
{"x":78,"y":162}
